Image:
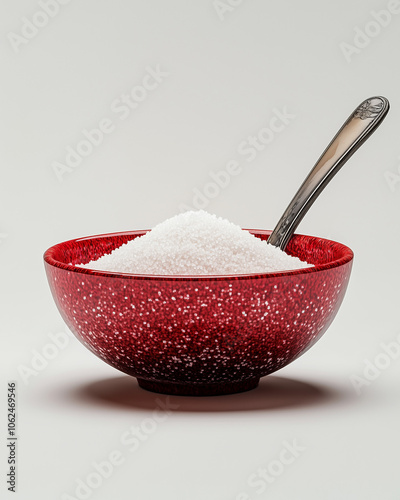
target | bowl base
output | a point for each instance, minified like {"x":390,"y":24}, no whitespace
{"x":216,"y":389}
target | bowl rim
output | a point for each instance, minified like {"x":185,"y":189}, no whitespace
{"x":49,"y":259}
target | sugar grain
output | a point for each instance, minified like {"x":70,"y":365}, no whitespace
{"x":196,"y":243}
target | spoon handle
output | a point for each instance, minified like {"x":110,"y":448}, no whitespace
{"x":355,"y":131}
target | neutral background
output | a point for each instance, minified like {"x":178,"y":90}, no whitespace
{"x":224,"y":76}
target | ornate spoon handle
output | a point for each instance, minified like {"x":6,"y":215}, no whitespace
{"x":355,"y":131}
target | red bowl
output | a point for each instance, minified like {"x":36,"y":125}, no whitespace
{"x":198,"y":335}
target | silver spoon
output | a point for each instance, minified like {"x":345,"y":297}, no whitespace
{"x":355,"y":131}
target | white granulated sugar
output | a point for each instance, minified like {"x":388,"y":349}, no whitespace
{"x":194,"y":243}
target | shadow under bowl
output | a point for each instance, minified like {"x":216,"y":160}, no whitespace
{"x":198,"y":335}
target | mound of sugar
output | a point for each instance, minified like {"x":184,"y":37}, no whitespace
{"x":194,"y":243}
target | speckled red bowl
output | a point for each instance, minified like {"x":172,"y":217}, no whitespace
{"x":198,"y":335}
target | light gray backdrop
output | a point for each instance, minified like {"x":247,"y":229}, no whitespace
{"x":118,"y":114}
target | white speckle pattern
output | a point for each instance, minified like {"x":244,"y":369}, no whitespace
{"x":200,"y":332}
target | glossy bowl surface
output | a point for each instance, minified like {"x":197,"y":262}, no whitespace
{"x":198,"y":335}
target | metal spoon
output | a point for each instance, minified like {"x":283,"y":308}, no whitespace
{"x":355,"y":131}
